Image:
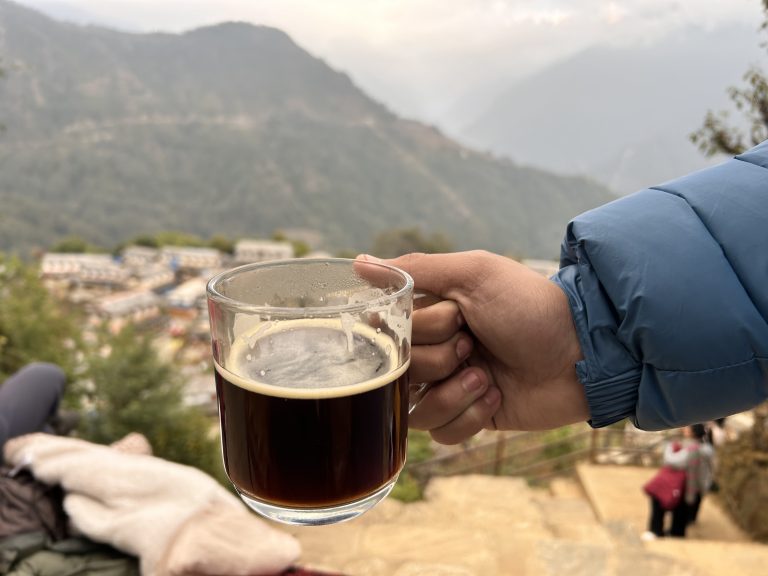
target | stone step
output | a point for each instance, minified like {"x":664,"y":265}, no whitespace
{"x":477,"y":501}
{"x":573,"y":519}
{"x":555,"y":557}
{"x":713,"y":558}
{"x":480,"y":525}
{"x":566,"y":488}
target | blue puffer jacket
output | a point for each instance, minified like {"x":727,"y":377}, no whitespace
{"x":669,"y":293}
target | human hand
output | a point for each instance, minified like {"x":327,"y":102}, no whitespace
{"x":499,"y":348}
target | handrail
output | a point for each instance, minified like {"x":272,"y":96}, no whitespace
{"x":603,"y":443}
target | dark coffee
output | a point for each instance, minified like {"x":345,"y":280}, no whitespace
{"x":314,"y":416}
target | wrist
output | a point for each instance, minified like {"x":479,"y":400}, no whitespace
{"x":570,"y":354}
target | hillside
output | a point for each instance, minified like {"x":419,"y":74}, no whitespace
{"x":234,"y":129}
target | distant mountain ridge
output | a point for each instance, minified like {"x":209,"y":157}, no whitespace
{"x":623,"y":115}
{"x":233,"y":129}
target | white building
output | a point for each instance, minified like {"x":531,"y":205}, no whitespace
{"x":153,"y":277}
{"x":134,"y":306}
{"x":84,"y":269}
{"x":187,"y":295}
{"x":140,"y":256}
{"x":190,"y":259}
{"x":247,"y":251}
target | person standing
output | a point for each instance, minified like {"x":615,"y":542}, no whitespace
{"x":667,"y":493}
{"x":699,"y":470}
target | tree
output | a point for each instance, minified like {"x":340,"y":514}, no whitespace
{"x":145,"y":240}
{"x":74,"y":245}
{"x":118,"y":382}
{"x":34,"y":326}
{"x":175,"y":238}
{"x":132,"y":390}
{"x":397,"y":242}
{"x":222,"y":244}
{"x":300,"y":247}
{"x":717,"y":135}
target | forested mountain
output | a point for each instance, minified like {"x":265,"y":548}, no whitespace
{"x":234,"y":129}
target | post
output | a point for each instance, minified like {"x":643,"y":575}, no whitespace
{"x":500,"y":445}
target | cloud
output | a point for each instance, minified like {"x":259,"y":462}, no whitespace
{"x":420,"y":55}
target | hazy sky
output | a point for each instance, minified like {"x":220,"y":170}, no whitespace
{"x":421,"y":56}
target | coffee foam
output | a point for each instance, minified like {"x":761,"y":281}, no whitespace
{"x":297,"y":359}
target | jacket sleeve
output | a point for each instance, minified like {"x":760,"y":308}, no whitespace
{"x":668,"y":289}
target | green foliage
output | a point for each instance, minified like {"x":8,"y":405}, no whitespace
{"x":393,"y":243}
{"x":125,"y":386}
{"x":132,"y":390}
{"x":74,"y":245}
{"x":717,"y":135}
{"x":419,"y":446}
{"x":145,"y":240}
{"x":558,"y":443}
{"x":300,"y":248}
{"x":33,"y":325}
{"x":176,"y":238}
{"x":408,"y":488}
{"x":222,"y":244}
{"x":742,"y":476}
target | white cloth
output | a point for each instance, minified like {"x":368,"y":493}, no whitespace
{"x":176,"y":519}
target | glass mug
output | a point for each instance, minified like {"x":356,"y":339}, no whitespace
{"x":311,"y":359}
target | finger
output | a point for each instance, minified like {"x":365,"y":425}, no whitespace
{"x":475,"y":418}
{"x":433,"y":362}
{"x":436,"y":323}
{"x":447,"y":400}
{"x":377,"y":273}
{"x":446,"y":275}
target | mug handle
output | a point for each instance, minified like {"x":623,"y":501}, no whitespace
{"x":416,"y":393}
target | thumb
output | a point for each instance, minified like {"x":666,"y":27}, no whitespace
{"x":447,"y":276}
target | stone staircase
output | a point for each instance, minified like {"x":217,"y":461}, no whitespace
{"x":486,"y":525}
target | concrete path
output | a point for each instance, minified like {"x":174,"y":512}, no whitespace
{"x":484,"y":525}
{"x":616,"y":495}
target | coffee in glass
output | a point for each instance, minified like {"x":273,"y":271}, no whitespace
{"x":311,"y":361}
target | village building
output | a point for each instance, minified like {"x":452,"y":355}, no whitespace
{"x":187,"y":297}
{"x":155,"y":277}
{"x":137,"y":257}
{"x":83,"y":270}
{"x":189,"y":260}
{"x":247,"y":251}
{"x":128,"y":307}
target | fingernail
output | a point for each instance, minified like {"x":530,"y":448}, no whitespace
{"x":463,"y":348}
{"x":369,"y":258}
{"x":492,"y":396}
{"x":471,"y":383}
